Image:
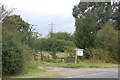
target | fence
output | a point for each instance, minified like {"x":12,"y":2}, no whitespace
{"x":58,"y":59}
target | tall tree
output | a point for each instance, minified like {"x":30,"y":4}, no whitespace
{"x":107,"y":38}
{"x":12,"y":51}
{"x":117,"y":16}
{"x":85,"y":31}
{"x":20,"y":27}
{"x":103,"y":10}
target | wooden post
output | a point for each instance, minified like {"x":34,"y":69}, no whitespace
{"x":76,"y":58}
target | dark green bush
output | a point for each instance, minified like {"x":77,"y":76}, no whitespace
{"x":97,"y":54}
{"x":12,"y":57}
{"x":107,"y":38}
{"x":14,"y":54}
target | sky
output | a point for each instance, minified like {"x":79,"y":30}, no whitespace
{"x":44,"y":12}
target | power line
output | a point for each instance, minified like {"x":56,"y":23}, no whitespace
{"x":52,"y":24}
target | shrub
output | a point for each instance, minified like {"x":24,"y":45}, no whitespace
{"x":12,"y":57}
{"x":107,"y":38}
{"x":97,"y":54}
{"x":14,"y":54}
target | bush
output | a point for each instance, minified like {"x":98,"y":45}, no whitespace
{"x":12,"y":57}
{"x":14,"y":54}
{"x":97,"y":54}
{"x":107,"y":38}
{"x":70,"y":50}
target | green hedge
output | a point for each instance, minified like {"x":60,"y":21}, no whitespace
{"x":15,"y":54}
{"x":12,"y":57}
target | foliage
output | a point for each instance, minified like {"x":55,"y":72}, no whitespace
{"x":38,"y":44}
{"x":62,"y":36}
{"x":118,"y":47}
{"x":16,"y":51}
{"x":15,"y":55}
{"x":97,"y":54}
{"x":85,"y":31}
{"x":70,"y":50}
{"x":104,"y":11}
{"x":4,"y":11}
{"x":116,"y":16}
{"x":107,"y":38}
{"x":52,"y":45}
{"x":20,"y":27}
{"x":12,"y":57}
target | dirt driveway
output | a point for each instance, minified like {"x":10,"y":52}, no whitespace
{"x":67,"y":72}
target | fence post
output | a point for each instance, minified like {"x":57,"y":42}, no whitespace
{"x":76,"y":59}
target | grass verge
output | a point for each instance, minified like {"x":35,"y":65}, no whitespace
{"x":82,"y":65}
{"x":35,"y":73}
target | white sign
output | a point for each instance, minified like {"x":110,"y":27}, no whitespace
{"x":79,"y":52}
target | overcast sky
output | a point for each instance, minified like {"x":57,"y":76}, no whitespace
{"x":43,"y":12}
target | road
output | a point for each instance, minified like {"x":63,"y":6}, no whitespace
{"x":112,"y":74}
{"x":83,"y":72}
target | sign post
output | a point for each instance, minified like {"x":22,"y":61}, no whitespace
{"x":79,"y":52}
{"x":76,"y":59}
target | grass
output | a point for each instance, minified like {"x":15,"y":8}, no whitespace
{"x":82,"y":65}
{"x":35,"y":73}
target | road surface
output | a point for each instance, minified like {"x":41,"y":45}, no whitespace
{"x":83,"y":72}
{"x":112,"y":74}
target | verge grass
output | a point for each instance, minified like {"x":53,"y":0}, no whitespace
{"x":35,"y":73}
{"x":82,"y":65}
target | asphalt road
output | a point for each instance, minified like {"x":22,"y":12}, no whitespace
{"x":113,"y":74}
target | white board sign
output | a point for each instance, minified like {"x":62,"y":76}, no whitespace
{"x":79,"y":52}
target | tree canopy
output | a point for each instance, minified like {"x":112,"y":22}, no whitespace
{"x":85,"y":31}
{"x":104,"y":11}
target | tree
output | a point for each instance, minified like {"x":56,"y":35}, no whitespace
{"x":53,"y":45}
{"x":104,"y":11}
{"x":62,"y":36}
{"x":117,"y":16}
{"x":107,"y":38}
{"x":12,"y":55}
{"x":19,"y":27}
{"x":85,"y":32}
{"x":15,"y":53}
{"x":4,"y":11}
